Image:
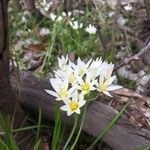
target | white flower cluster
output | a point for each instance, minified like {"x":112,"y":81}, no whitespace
{"x":73,"y":23}
{"x":73,"y":81}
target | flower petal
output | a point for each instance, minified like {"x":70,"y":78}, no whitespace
{"x":52,"y":93}
{"x":71,"y":90}
{"x":81,"y":103}
{"x":107,"y":93}
{"x":78,"y":111}
{"x":110,"y":80}
{"x":54,"y":82}
{"x":69,"y":113}
{"x":113,"y":87}
{"x":64,"y":108}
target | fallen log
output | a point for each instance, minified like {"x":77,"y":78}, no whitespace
{"x":122,"y":136}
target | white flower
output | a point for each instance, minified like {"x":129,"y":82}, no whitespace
{"x":53,"y":16}
{"x":106,"y":70}
{"x":105,"y":80}
{"x":66,"y":14}
{"x":76,"y":25}
{"x":74,"y":104}
{"x":105,"y":85}
{"x":81,"y":68}
{"x":69,"y":13}
{"x":91,"y":29}
{"x":62,"y":62}
{"x":94,"y":68}
{"x":46,"y":8}
{"x":60,"y":18}
{"x":86,"y":85}
{"x":128,"y":7}
{"x":71,"y":75}
{"x":61,"y":87}
{"x":45,"y":5}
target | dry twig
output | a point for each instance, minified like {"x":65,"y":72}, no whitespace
{"x":134,"y":58}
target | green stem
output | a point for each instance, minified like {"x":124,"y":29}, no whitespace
{"x":81,"y":126}
{"x":48,"y":54}
{"x":108,"y":127}
{"x":57,"y":127}
{"x":39,"y":126}
{"x":72,"y":132}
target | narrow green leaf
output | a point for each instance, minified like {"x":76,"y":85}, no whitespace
{"x":39,"y":126}
{"x":37,"y":144}
{"x":108,"y":127}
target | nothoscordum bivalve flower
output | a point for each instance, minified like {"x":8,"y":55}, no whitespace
{"x":86,"y":85}
{"x":72,"y":75}
{"x":81,"y":68}
{"x":61,"y":88}
{"x":53,"y":16}
{"x":73,"y":104}
{"x":62,"y":62}
{"x":72,"y":82}
{"x":94,"y":68}
{"x":91,"y":29}
{"x":76,"y":25}
{"x":104,"y":84}
{"x":66,"y":14}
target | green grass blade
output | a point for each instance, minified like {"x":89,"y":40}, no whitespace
{"x":37,"y":145}
{"x":3,"y":146}
{"x":72,"y":132}
{"x":108,"y":127}
{"x":29,"y":128}
{"x":5,"y":125}
{"x":39,"y":126}
{"x":57,"y":129}
{"x":80,"y":128}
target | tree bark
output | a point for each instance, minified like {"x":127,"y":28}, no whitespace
{"x":6,"y":99}
{"x":123,"y":136}
{"x":147,"y":6}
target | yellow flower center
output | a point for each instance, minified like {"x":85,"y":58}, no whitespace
{"x":102,"y":87}
{"x":73,"y":105}
{"x":81,"y":71}
{"x":63,"y":93}
{"x":85,"y":87}
{"x":71,"y":78}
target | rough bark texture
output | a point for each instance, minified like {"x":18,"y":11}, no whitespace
{"x":122,"y":136}
{"x":147,"y":6}
{"x":6,"y":99}
{"x":68,"y":5}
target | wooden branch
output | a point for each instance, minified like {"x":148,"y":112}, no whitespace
{"x":135,"y":57}
{"x":122,"y":136}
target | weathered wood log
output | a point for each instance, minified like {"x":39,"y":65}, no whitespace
{"x":122,"y":136}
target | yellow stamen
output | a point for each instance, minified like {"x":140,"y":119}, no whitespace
{"x":71,"y":78}
{"x":85,"y":87}
{"x":102,"y":87}
{"x":73,"y":105}
{"x":81,"y":71}
{"x":63,"y":93}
